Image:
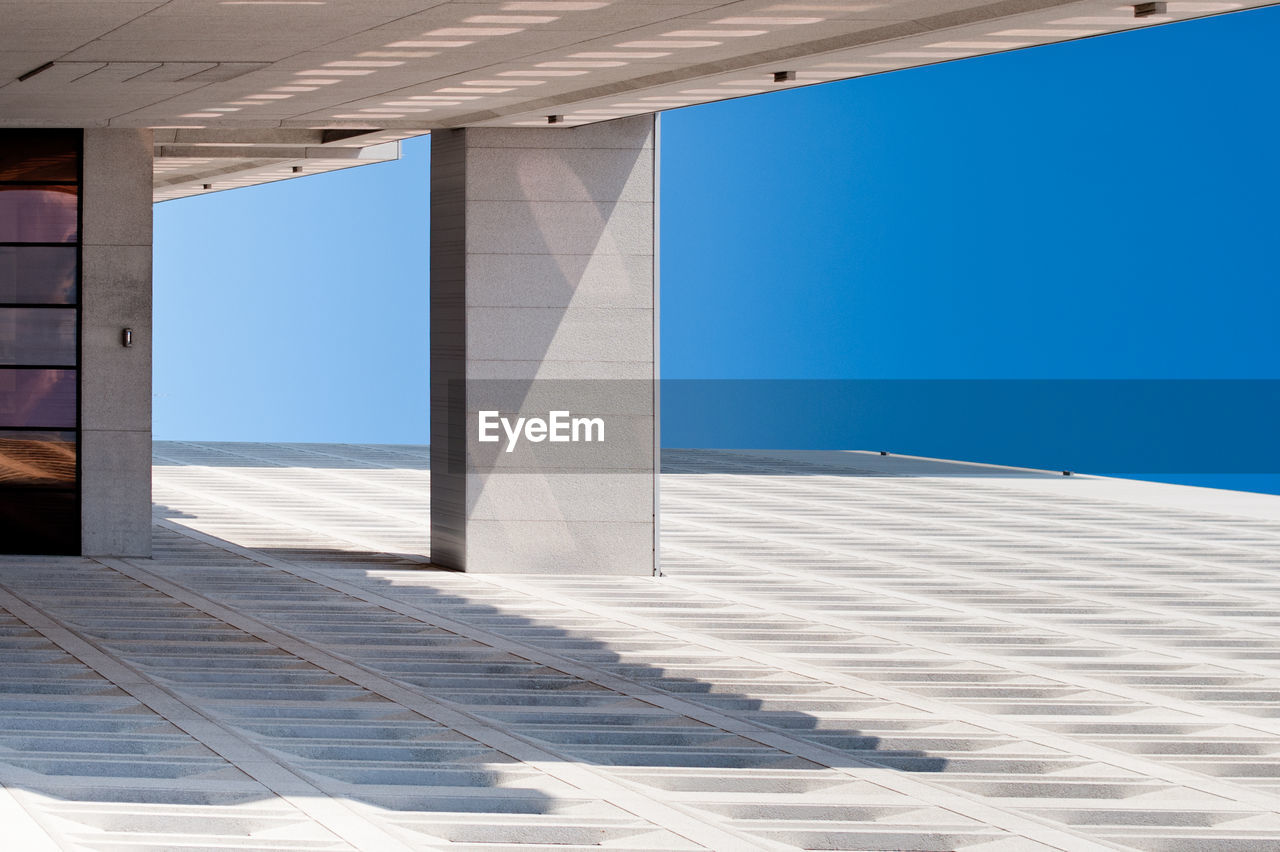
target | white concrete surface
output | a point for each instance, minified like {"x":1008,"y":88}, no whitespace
{"x":845,"y":653}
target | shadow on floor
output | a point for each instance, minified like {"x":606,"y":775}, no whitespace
{"x":71,"y":736}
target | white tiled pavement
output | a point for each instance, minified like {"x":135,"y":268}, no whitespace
{"x":845,"y":651}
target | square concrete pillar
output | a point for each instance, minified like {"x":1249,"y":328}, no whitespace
{"x":115,"y":381}
{"x":543,"y":299}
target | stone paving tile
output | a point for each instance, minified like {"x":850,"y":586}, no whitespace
{"x":90,"y":762}
{"x":873,"y":655}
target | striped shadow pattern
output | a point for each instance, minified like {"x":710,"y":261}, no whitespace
{"x":844,"y":652}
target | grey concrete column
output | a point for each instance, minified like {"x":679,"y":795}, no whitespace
{"x":542,"y":279}
{"x":115,"y":382}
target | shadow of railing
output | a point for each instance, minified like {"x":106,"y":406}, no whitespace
{"x":575,"y":715}
{"x":462,"y":648}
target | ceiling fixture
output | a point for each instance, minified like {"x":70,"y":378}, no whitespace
{"x":1146,"y":10}
{"x":783,"y":76}
{"x":34,"y":71}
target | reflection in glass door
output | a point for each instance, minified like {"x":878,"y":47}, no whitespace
{"x":39,"y":341}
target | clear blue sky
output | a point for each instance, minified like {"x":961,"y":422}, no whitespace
{"x":1099,"y":209}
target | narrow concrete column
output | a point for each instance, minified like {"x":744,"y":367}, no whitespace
{"x":543,"y":298}
{"x":115,"y":381}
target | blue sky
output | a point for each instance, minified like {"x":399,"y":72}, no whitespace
{"x":1099,"y":209}
{"x":296,"y":311}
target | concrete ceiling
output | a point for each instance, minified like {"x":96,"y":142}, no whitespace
{"x":242,"y":90}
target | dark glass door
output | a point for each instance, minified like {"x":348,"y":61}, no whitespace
{"x":39,"y":341}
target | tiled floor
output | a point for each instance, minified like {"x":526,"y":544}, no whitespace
{"x":845,"y":652}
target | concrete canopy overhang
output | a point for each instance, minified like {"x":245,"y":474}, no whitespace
{"x":243,"y":92}
{"x":251,"y":91}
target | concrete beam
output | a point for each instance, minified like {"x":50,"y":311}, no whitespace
{"x":211,"y":151}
